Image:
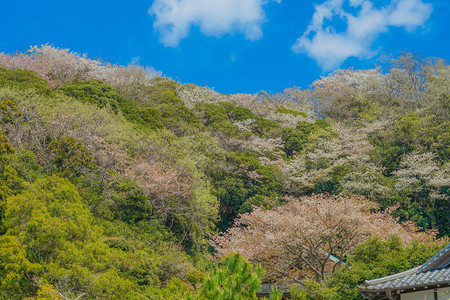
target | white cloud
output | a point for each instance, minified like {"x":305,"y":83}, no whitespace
{"x":410,"y":14}
{"x":330,"y":48}
{"x":151,"y":72}
{"x":135,"y":60}
{"x":174,"y":18}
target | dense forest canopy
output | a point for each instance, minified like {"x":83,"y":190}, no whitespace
{"x":115,"y":184}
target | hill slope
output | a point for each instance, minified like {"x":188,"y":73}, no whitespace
{"x":112,"y":181}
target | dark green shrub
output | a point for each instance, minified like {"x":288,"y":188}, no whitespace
{"x":24,"y":80}
{"x":9,"y":112}
{"x":70,"y":156}
{"x":266,"y":128}
{"x":240,"y":113}
{"x":179,"y":119}
{"x":93,"y":91}
{"x":163,"y":91}
{"x":239,"y":178}
{"x":5,"y":145}
{"x":294,"y":140}
{"x":151,"y":117}
{"x":130,"y":204}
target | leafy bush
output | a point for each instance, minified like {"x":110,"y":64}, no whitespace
{"x":23,"y":80}
{"x":296,"y":139}
{"x":93,"y":91}
{"x":162,"y":91}
{"x":240,"y":181}
{"x":70,"y":156}
{"x":5,"y":145}
{"x":179,"y":119}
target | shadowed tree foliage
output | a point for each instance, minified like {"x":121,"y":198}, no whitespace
{"x":70,"y":156}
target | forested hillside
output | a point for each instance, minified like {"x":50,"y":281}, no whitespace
{"x":118,"y":184}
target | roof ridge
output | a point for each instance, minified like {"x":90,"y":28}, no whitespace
{"x":391,"y":277}
{"x":419,"y":269}
{"x":432,"y":277}
{"x":435,"y":259}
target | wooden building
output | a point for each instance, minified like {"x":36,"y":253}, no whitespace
{"x":430,"y":281}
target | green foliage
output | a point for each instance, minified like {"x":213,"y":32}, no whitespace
{"x":162,"y":91}
{"x":376,"y":258}
{"x":240,"y":113}
{"x":93,"y":91}
{"x":260,"y":201}
{"x":275,"y":294}
{"x":47,"y":291}
{"x":234,"y":279}
{"x":119,"y":231}
{"x":10,"y":184}
{"x":284,"y":110}
{"x":195,"y":277}
{"x":412,"y":133}
{"x":313,"y":290}
{"x":158,"y":106}
{"x":70,"y":156}
{"x":5,"y":145}
{"x":62,"y":217}
{"x":15,"y":169}
{"x":175,"y":289}
{"x":265,"y":128}
{"x":179,"y":119}
{"x":16,"y":267}
{"x":151,"y":237}
{"x":9,"y":112}
{"x":389,"y":157}
{"x":62,"y":244}
{"x":415,"y":133}
{"x":220,"y":117}
{"x":240,"y":181}
{"x":131,"y":204}
{"x":101,"y":94}
{"x":295,"y":140}
{"x":24,"y":80}
{"x":151,"y":117}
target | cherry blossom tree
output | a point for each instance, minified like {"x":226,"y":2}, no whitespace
{"x":310,"y":236}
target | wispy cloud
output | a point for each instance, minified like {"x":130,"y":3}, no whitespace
{"x":135,"y":60}
{"x":331,"y":48}
{"x":174,"y":18}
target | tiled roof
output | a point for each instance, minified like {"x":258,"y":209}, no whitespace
{"x":432,"y":277}
{"x":434,"y":272}
{"x":437,"y":261}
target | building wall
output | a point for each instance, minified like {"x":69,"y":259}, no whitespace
{"x":443,"y":294}
{"x":422,"y":295}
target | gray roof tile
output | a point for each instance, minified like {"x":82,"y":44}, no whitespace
{"x":431,"y":277}
{"x":435,"y":271}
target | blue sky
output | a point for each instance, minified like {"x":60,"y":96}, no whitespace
{"x":234,"y":46}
